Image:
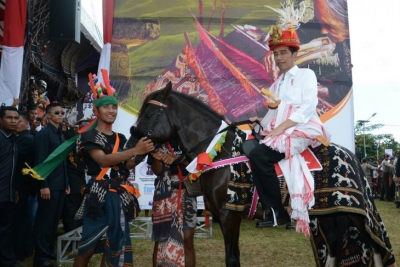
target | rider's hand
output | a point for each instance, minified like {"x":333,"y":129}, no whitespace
{"x":254,"y":120}
{"x":144,"y":146}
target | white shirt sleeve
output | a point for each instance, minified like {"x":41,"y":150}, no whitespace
{"x":309,"y":97}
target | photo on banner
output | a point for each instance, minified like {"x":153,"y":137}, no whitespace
{"x":217,"y":51}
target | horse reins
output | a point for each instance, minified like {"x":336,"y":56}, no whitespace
{"x":208,"y":139}
{"x":204,"y":141}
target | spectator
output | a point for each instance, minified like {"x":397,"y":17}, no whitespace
{"x":396,"y":182}
{"x":23,"y":245}
{"x":35,"y":97}
{"x":34,"y":124}
{"x":8,"y":196}
{"x":367,"y":167}
{"x":358,"y":152}
{"x":387,"y":168}
{"x":376,"y":191}
{"x":52,"y":190}
{"x":397,"y":171}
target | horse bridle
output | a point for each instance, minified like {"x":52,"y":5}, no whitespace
{"x":158,"y":116}
{"x":205,"y":140}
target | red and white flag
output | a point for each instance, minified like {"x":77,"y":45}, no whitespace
{"x":14,"y":21}
{"x":105,"y":57}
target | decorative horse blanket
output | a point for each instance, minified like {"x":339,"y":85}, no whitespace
{"x":338,"y":188}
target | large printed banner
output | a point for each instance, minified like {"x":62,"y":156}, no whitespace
{"x":217,"y":51}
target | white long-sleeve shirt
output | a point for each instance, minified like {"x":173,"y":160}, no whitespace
{"x":298,"y":88}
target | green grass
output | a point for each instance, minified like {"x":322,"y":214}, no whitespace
{"x":272,"y":247}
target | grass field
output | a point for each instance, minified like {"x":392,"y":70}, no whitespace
{"x":272,"y":247}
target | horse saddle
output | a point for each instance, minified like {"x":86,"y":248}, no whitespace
{"x":250,"y":144}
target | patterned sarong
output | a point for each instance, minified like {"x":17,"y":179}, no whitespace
{"x":109,"y":225}
{"x":169,"y":219}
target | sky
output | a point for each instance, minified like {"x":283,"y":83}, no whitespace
{"x":374,"y":40}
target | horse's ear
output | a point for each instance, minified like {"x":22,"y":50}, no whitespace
{"x":164,"y":93}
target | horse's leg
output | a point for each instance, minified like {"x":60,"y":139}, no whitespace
{"x":230,"y":227}
{"x":215,"y":191}
{"x":328,"y":226}
{"x":359,"y":221}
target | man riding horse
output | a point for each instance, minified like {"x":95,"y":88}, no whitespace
{"x":288,"y":130}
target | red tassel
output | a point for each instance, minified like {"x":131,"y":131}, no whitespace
{"x":107,"y":82}
{"x":94,"y":91}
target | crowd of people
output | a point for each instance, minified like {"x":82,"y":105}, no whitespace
{"x":382,"y":177}
{"x":37,"y":206}
{"x":108,"y":202}
{"x":87,"y":188}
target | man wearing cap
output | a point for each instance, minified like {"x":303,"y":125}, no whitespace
{"x":108,"y":206}
{"x":288,"y":129}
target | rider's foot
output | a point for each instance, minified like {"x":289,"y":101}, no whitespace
{"x":274,"y":217}
{"x":290,"y":226}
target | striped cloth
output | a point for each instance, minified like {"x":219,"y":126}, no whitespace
{"x":292,"y":142}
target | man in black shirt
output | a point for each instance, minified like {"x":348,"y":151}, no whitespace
{"x":23,"y":241}
{"x":8,"y":196}
{"x":52,"y":190}
{"x":109,"y":204}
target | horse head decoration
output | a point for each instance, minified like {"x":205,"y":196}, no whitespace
{"x":344,"y":207}
{"x":166,"y":114}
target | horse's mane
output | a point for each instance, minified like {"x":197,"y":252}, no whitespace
{"x":194,"y":102}
{"x":185,"y":98}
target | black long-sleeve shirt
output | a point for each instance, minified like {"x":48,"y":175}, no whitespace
{"x":8,"y":159}
{"x":25,"y":142}
{"x":46,"y":141}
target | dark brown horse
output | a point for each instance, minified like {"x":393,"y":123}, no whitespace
{"x":344,"y":217}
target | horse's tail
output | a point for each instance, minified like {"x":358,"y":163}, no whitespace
{"x":355,"y":199}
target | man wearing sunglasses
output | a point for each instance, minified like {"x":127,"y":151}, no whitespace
{"x":52,"y":190}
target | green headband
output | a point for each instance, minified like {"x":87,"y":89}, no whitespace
{"x":105,"y":100}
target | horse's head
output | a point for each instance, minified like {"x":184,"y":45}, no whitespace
{"x":153,"y":121}
{"x":167,"y":114}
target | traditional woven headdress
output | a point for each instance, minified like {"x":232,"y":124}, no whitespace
{"x":103,"y":95}
{"x":284,"y":33}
